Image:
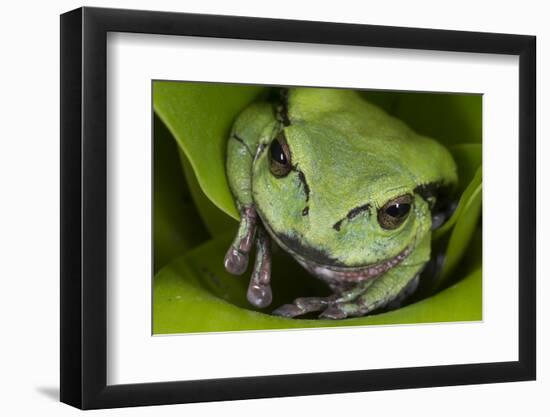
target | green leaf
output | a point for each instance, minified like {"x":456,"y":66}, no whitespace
{"x":200,"y":116}
{"x":195,"y":294}
{"x":449,"y":118}
{"x":468,"y":160}
{"x":465,"y":224}
{"x":176,"y":222}
{"x":467,"y":200}
{"x":457,"y":232}
{"x":215,"y":221}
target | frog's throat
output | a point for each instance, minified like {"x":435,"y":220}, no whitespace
{"x":335,"y":273}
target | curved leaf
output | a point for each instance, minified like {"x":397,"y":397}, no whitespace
{"x":215,"y":220}
{"x":200,"y":116}
{"x":471,"y":192}
{"x":468,"y":160}
{"x":449,"y":118}
{"x":463,"y":231}
{"x":176,"y":222}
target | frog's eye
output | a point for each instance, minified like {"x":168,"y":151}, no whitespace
{"x":279,"y":156}
{"x":395,"y":211}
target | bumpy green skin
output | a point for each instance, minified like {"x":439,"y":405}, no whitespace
{"x":349,"y":158}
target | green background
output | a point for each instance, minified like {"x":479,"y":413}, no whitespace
{"x":195,"y":217}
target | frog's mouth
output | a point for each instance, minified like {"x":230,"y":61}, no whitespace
{"x":329,"y":269}
{"x":351,"y":274}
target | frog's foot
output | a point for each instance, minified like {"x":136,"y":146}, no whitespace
{"x":355,"y":308}
{"x":342,"y":294}
{"x":333,"y":312}
{"x":259,"y":289}
{"x":236,"y":259}
{"x":381,"y":294}
{"x":302,"y":306}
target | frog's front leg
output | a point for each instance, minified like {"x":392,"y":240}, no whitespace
{"x":251,"y":131}
{"x":236,"y":258}
{"x":259,"y":289}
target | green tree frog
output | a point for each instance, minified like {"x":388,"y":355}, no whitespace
{"x":349,"y":191}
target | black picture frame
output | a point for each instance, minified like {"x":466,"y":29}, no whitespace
{"x":84,"y":207}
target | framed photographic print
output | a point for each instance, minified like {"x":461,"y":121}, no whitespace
{"x":258,"y":208}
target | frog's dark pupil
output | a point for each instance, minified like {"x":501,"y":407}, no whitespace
{"x":398,"y":210}
{"x":277,"y":153}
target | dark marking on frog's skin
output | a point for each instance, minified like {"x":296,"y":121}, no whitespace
{"x":305,"y":211}
{"x":242,"y":142}
{"x":438,"y":196}
{"x":282,"y":109}
{"x":354,"y":212}
{"x":336,"y":226}
{"x":429,"y":190}
{"x":308,"y":252}
{"x":303,"y":180}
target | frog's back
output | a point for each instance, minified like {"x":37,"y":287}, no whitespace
{"x":364,"y":129}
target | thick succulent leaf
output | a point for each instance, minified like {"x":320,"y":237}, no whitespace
{"x":195,"y":294}
{"x":200,"y":116}
{"x":468,"y":160}
{"x":465,"y":225}
{"x":176,"y":222}
{"x":467,"y":198}
{"x":215,"y":221}
{"x":449,"y":118}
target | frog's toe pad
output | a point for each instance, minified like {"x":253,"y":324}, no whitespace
{"x":235,"y":262}
{"x":333,"y":313}
{"x":287,"y":310}
{"x":259,"y":295}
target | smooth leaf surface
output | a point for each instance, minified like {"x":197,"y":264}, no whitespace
{"x":200,"y":116}
{"x":215,"y":221}
{"x":449,"y":118}
{"x":468,"y":160}
{"x":176,"y":222}
{"x":473,"y":188}
{"x":463,"y":231}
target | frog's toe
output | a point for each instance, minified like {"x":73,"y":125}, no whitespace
{"x":303,"y":305}
{"x":333,"y":313}
{"x":235,"y":262}
{"x":259,"y":295}
{"x":287,"y":310}
{"x":310,"y":304}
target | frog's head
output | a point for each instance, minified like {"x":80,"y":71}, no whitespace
{"x":339,"y":190}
